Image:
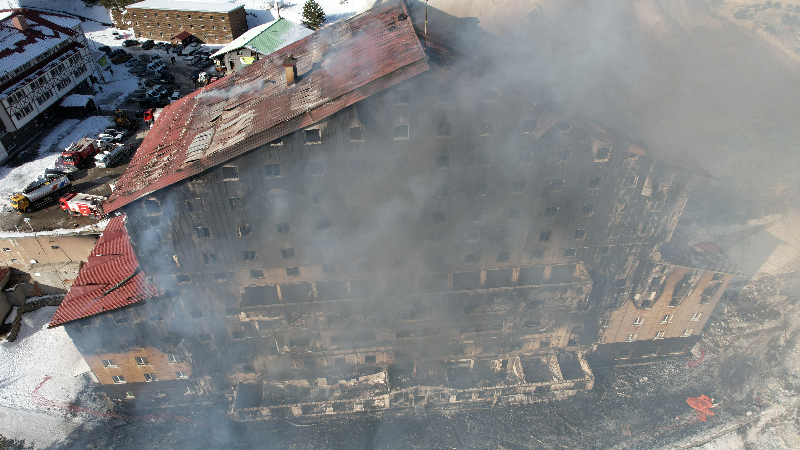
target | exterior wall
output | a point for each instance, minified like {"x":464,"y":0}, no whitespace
{"x":20,"y":253}
{"x":397,"y":253}
{"x":49,"y":83}
{"x":127,"y":366}
{"x":671,"y":311}
{"x":232,"y":61}
{"x":211,"y":28}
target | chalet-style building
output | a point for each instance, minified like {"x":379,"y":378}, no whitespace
{"x":259,"y":42}
{"x":360,"y":222}
{"x":209,"y":22}
{"x":44,"y":57}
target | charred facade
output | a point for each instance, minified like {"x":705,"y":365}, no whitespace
{"x":447,"y":239}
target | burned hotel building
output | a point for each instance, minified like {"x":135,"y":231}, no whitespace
{"x":361,"y":222}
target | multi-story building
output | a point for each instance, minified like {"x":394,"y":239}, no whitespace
{"x":43,"y":57}
{"x":355,"y":223}
{"x":212,"y":23}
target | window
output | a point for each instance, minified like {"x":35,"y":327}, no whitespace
{"x":687,"y":332}
{"x":316,"y":168}
{"x":469,"y":259}
{"x":55,"y":247}
{"x":602,"y":154}
{"x":328,"y":268}
{"x":667,"y":319}
{"x":660,"y":335}
{"x":545,"y":236}
{"x":118,"y":379}
{"x":638,"y":321}
{"x":292,"y":271}
{"x":230,"y":173}
{"x":563,"y":155}
{"x":569,"y":252}
{"x":256,"y":274}
{"x":443,"y":161}
{"x":236,"y":202}
{"x":156,"y":317}
{"x":221,"y":276}
{"x":287,"y":253}
{"x":491,"y":96}
{"x":477,"y":215}
{"x":586,"y":210}
{"x":209,"y":257}
{"x":537,"y":254}
{"x":149,"y":377}
{"x":717,"y":277}
{"x":356,"y":134}
{"x":487,"y":128}
{"x":142,"y":361}
{"x":438,"y":217}
{"x":481,"y":189}
{"x":556,"y":185}
{"x":44,"y":97}
{"x":249,"y":255}
{"x":695,"y":317}
{"x":196,"y":314}
{"x":183,"y":279}
{"x":631,"y":338}
{"x":202,"y":232}
{"x":594,"y":183}
{"x":580,"y":234}
{"x":441,"y":191}
{"x":181,"y":374}
{"x":513,"y":213}
{"x":400,"y":96}
{"x":313,"y":136}
{"x":109,"y":363}
{"x":273,"y":170}
{"x":24,"y":111}
{"x":518,"y":186}
{"x":401,"y":132}
{"x":283,"y":227}
{"x":243,"y":229}
{"x":503,"y":256}
{"x":551,"y":211}
{"x":323,"y":224}
{"x":606,"y":324}
{"x":443,"y":129}
{"x":472,"y":236}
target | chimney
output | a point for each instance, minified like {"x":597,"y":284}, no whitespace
{"x":19,"y":22}
{"x":290,"y":65}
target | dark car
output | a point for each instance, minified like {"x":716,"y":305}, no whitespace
{"x":148,"y":44}
{"x":116,"y":52}
{"x":130,"y":43}
{"x":105,"y":49}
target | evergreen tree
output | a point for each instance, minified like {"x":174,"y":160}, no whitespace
{"x":313,"y":15}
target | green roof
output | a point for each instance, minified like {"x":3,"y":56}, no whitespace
{"x":268,"y":38}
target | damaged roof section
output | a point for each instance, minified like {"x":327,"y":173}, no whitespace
{"x":110,"y":279}
{"x":337,"y":66}
{"x":693,"y":252}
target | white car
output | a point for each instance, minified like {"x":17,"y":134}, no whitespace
{"x":111,"y":137}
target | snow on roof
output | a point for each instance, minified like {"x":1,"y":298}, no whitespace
{"x":110,"y":279}
{"x":45,"y":31}
{"x":186,"y":6}
{"x":76,"y":100}
{"x":268,"y":37}
{"x":254,"y":106}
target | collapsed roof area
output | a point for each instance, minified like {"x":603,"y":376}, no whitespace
{"x":337,"y":66}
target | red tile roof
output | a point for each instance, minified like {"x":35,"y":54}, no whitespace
{"x":182,"y":35}
{"x":111,"y":262}
{"x":338,"y":65}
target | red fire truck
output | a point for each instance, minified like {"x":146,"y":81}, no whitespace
{"x":81,"y":204}
{"x":79,"y":153}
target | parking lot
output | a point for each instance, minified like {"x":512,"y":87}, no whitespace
{"x":96,"y":180}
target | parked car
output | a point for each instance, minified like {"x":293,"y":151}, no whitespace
{"x":105,"y":49}
{"x":117,"y":35}
{"x":148,"y":44}
{"x":202,"y":63}
{"x":155,"y":56}
{"x":154,"y":81}
{"x":177,"y":49}
{"x":120,"y":59}
{"x":132,"y":62}
{"x":176,"y":94}
{"x":130,"y":43}
{"x":116,"y":52}
{"x":115,"y":130}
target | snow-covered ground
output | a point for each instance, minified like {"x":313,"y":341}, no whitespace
{"x":37,"y":353}
{"x":13,"y":179}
